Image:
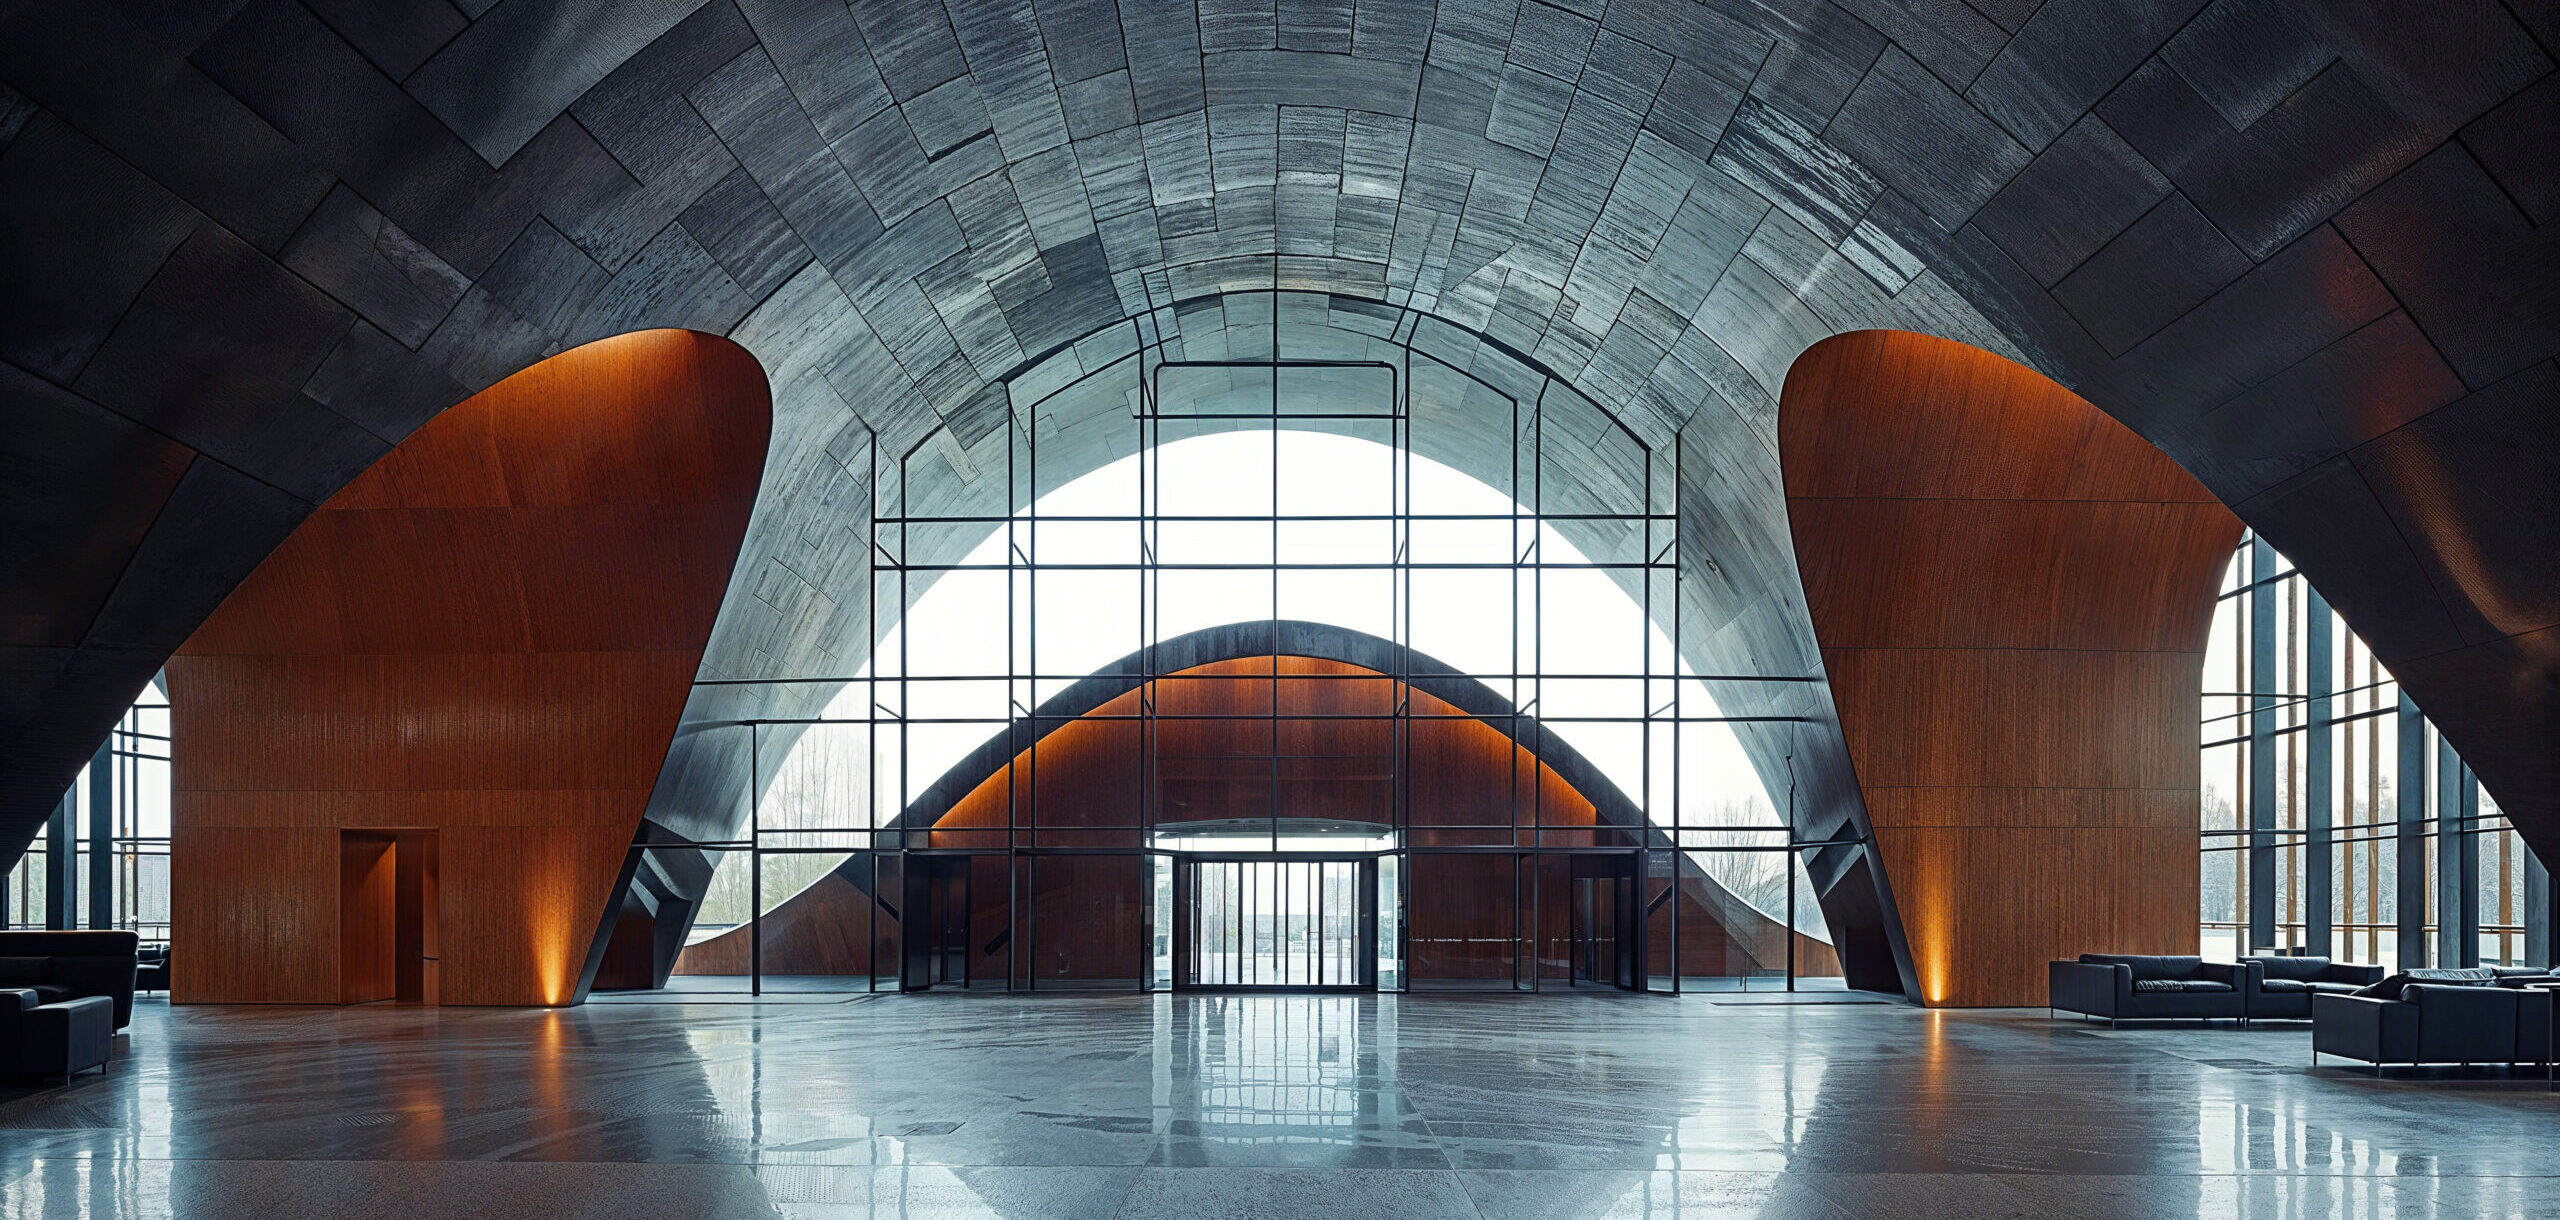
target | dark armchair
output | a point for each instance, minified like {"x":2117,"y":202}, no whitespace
{"x":2128,"y":987}
{"x":151,"y":969}
{"x":56,"y":1039}
{"x":2280,"y":988}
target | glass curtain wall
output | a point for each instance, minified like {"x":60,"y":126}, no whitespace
{"x":1145,"y":485}
{"x":115,"y":817}
{"x":2336,"y":820}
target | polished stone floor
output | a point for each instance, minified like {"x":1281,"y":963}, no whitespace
{"x":975,"y":1105}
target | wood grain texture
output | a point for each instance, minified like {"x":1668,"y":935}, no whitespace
{"x":488,"y":635}
{"x":2012,"y":593}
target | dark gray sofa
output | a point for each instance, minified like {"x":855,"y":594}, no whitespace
{"x":2131,"y":987}
{"x":2280,"y":988}
{"x":60,"y":966}
{"x":2435,"y":1023}
{"x":55,"y":1039}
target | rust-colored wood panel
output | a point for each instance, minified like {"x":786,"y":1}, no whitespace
{"x":1978,"y":598}
{"x":1941,"y":420}
{"x":487,"y":639}
{"x":2011,"y":591}
{"x":270,"y":932}
{"x":2034,"y":717}
{"x":1977,"y":927}
{"x":523,"y":720}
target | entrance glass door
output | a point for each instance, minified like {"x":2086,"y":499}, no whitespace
{"x":1280,"y":923}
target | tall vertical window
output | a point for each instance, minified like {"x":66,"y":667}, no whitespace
{"x":2336,"y":820}
{"x":113,"y":822}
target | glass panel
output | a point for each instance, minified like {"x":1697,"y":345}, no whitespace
{"x":1390,"y":923}
{"x":1160,"y":873}
{"x":813,"y":936}
{"x":1661,"y":914}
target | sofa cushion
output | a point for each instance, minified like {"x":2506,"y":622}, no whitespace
{"x":2292,"y":969}
{"x":2392,"y":985}
{"x":2284,"y":985}
{"x":2328,"y":988}
{"x":24,"y":971}
{"x":2149,"y":967}
{"x":2179,"y":985}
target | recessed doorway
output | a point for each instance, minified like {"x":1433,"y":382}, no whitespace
{"x":387,"y":916}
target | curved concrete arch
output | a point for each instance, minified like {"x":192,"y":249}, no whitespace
{"x":256,"y":250}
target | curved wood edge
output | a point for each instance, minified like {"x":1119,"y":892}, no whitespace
{"x":489,"y":635}
{"x":2012,"y":593}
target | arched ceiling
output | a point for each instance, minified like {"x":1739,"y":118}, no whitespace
{"x":248,"y":244}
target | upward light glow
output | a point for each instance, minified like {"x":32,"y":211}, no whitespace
{"x":979,"y":625}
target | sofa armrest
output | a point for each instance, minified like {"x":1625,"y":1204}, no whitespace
{"x":2096,"y":988}
{"x":2243,"y":976}
{"x":18,"y":999}
{"x":2361,"y":976}
{"x":2363,"y":1027}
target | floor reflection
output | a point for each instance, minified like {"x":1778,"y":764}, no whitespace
{"x":1564,"y":1105}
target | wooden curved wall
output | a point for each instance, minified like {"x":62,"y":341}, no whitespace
{"x":1088,"y":776}
{"x":489,"y":634}
{"x":2012,"y":593}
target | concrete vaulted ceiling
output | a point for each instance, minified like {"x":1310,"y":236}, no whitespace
{"x":245,"y":247}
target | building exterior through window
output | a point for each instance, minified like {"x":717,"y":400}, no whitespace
{"x":2337,"y":821}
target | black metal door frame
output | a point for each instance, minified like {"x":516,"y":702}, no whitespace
{"x":931,"y":881}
